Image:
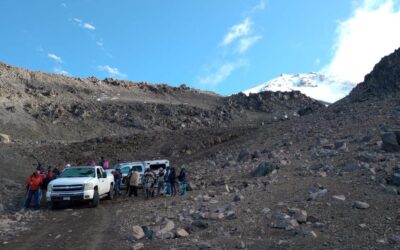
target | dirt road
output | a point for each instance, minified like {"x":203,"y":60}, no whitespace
{"x":74,"y":227}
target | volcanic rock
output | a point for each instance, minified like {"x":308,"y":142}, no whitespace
{"x":137,"y":232}
{"x":263,"y":169}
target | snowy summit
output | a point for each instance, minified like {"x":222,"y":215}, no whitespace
{"x":315,"y":85}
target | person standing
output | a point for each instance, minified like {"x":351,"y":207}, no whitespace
{"x":134,"y":183}
{"x":166,"y":181}
{"x":105,"y":164}
{"x":117,"y":180}
{"x":160,"y":182}
{"x":33,"y":183}
{"x":172,"y":181}
{"x":182,"y":179}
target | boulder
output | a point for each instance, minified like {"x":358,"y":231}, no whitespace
{"x":230,"y":215}
{"x":340,"y":145}
{"x":203,"y":245}
{"x":394,"y":179}
{"x":265,"y":211}
{"x":4,"y":138}
{"x":240,"y":245}
{"x":238,"y":197}
{"x":283,"y":221}
{"x":138,"y":246}
{"x":166,"y":236}
{"x":244,"y":155}
{"x":350,"y":166}
{"x":165,"y":227}
{"x":339,"y":197}
{"x":317,"y":194}
{"x":390,"y":142}
{"x":181,"y":233}
{"x":263,"y":169}
{"x":216,"y":216}
{"x":200,"y":224}
{"x":137,"y":232}
{"x":298,"y":214}
{"x":148,"y":233}
{"x":255,"y":155}
{"x":361,"y":205}
{"x":191,"y":186}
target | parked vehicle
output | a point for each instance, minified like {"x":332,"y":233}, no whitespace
{"x":155,"y":165}
{"x":83,"y":183}
{"x":128,"y":167}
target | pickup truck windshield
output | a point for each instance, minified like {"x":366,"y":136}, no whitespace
{"x":78,"y":172}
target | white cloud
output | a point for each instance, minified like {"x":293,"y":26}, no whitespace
{"x":77,"y":20}
{"x":88,"y":26}
{"x":363,"y":39}
{"x":260,"y":6}
{"x":246,"y":42}
{"x":237,"y":31}
{"x":54,"y":57}
{"x":221,"y":73}
{"x":113,"y":72}
{"x":82,"y":24}
{"x":59,"y":70}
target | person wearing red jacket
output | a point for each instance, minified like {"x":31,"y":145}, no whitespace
{"x":33,"y":182}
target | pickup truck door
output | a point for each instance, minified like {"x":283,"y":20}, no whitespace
{"x":102,"y":182}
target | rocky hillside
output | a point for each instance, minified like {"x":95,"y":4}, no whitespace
{"x":40,"y":106}
{"x":269,"y":170}
{"x":382,"y":82}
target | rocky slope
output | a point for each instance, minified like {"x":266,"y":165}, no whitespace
{"x":382,"y":82}
{"x":40,"y":106}
{"x":281,"y":173}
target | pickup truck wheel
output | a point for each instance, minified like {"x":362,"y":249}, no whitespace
{"x":111,"y":193}
{"x":96,"y":199}
{"x":53,"y":205}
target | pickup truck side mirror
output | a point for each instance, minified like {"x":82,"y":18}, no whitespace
{"x":104,"y":175}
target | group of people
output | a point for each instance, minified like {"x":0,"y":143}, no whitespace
{"x":162,"y":182}
{"x":36,"y":184}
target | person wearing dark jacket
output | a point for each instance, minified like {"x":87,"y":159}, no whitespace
{"x":172,"y":181}
{"x":117,"y":180}
{"x":166,"y":181}
{"x":160,"y":181}
{"x":182,"y":179}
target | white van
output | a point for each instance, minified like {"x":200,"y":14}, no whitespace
{"x":155,"y":165}
{"x":126,"y":167}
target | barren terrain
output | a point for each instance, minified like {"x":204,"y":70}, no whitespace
{"x":271,"y":170}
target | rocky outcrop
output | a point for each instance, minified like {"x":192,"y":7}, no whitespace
{"x":382,"y":82}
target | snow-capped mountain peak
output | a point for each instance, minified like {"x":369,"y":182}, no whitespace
{"x":315,"y":85}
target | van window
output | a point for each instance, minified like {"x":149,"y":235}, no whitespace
{"x":125,"y":170}
{"x":157,"y":166}
{"x":137,"y":168}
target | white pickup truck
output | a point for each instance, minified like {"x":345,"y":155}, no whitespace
{"x":86,"y":183}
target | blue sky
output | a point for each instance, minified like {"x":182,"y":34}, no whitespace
{"x":221,"y":45}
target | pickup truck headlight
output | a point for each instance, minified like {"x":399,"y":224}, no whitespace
{"x":89,"y":186}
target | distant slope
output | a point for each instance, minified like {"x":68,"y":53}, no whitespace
{"x":315,"y":85}
{"x":37,"y":106}
{"x":382,"y":82}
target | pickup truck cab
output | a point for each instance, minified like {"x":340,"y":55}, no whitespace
{"x":82,"y":183}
